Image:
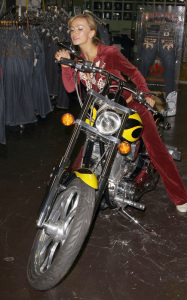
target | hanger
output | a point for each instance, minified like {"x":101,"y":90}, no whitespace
{"x":97,"y":19}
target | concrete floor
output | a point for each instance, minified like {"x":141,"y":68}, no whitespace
{"x":120,"y":261}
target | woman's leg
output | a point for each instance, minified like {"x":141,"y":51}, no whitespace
{"x":160,"y":156}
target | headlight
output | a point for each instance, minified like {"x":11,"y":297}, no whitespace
{"x":108,"y":122}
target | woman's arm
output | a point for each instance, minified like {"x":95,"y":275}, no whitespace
{"x":128,"y":69}
{"x":67,"y":72}
{"x":123,"y":65}
{"x":68,"y":79}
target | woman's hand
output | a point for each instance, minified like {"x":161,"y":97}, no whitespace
{"x":150,"y":101}
{"x":62,"y":54}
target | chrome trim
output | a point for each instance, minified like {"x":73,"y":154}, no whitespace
{"x":96,"y":132}
{"x":115,"y":105}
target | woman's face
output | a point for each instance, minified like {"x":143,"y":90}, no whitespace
{"x":80,"y":32}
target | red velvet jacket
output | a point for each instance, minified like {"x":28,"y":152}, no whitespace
{"x":112,"y":60}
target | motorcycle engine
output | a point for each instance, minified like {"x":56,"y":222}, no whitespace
{"x":123,"y":167}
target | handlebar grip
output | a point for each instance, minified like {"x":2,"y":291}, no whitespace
{"x":150,"y":108}
{"x":86,"y":66}
{"x":141,"y":99}
{"x":67,"y":46}
{"x":67,"y":62}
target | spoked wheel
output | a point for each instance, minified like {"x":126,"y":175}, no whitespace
{"x":58,"y":243}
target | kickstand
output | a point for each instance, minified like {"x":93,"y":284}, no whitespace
{"x":123,"y":213}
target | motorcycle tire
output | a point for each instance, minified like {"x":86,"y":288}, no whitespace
{"x":57,"y":245}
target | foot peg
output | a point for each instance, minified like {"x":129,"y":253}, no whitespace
{"x":131,"y":203}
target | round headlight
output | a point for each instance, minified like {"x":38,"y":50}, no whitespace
{"x":108,"y":122}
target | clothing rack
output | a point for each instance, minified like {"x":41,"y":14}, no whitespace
{"x":45,"y":82}
{"x":10,"y":10}
{"x":55,"y":10}
{"x":7,"y":24}
{"x":19,"y":67}
{"x":64,"y":12}
{"x":16,"y":25}
{"x":1,"y":8}
{"x":97,"y":19}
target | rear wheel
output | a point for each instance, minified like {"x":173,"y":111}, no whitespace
{"x":57,"y":245}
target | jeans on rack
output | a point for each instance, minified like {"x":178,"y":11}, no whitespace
{"x":2,"y":110}
{"x":164,"y":47}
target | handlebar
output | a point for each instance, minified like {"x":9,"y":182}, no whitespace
{"x":89,"y":67}
{"x":72,"y":51}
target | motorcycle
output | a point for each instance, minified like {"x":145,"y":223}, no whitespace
{"x":112,"y":170}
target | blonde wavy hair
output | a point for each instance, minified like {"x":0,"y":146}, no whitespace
{"x":92,"y":24}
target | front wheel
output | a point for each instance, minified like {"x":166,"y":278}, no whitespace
{"x":57,"y":245}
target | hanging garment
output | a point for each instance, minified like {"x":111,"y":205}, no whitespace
{"x":24,"y":79}
{"x":53,"y":29}
{"x":40,"y":94}
{"x":17,"y":79}
{"x":103,"y":34}
{"x":51,"y":67}
{"x":2,"y":101}
{"x":63,"y":98}
{"x":156,"y":43}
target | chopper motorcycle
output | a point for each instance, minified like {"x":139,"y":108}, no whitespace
{"x":113,"y":171}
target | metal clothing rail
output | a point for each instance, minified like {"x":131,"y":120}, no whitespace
{"x":8,"y":24}
{"x":9,"y":10}
{"x":98,"y":20}
{"x":1,"y":8}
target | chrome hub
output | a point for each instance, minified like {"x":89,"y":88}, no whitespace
{"x":55,"y":230}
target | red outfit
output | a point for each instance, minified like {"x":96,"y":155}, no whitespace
{"x":110,"y":59}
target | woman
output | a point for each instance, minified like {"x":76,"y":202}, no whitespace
{"x":83,"y":34}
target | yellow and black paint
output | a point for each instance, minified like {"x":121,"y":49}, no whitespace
{"x":133,"y":128}
{"x":87,"y":176}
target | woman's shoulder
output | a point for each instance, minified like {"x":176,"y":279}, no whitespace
{"x":104,"y":49}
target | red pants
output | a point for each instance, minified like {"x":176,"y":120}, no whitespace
{"x":160,"y":156}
